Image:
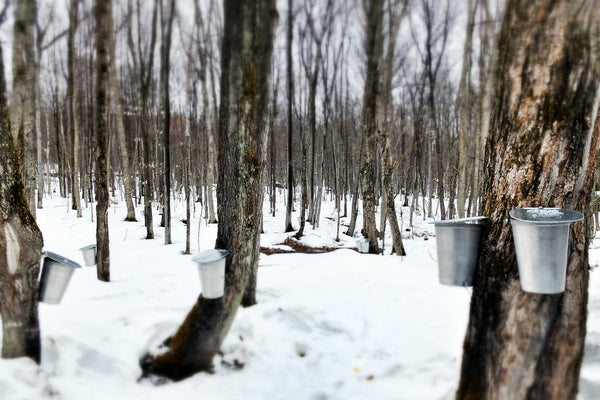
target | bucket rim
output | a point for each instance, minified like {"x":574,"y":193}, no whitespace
{"x":545,"y":215}
{"x":91,"y":246}
{"x":459,"y":221}
{"x":60,"y":259}
{"x":209,"y":256}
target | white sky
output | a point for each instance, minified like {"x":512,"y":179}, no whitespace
{"x":59,"y":22}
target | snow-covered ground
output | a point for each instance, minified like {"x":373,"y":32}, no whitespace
{"x":340,"y":325}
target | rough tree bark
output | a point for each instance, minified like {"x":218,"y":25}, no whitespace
{"x":22,"y":107}
{"x":20,"y":246}
{"x":247,"y":47}
{"x":104,"y":24}
{"x":374,"y":51}
{"x":543,"y":140}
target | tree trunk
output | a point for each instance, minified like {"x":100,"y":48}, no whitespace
{"x":212,"y":149}
{"x":541,"y":151}
{"x":21,"y":245}
{"x":23,"y":97}
{"x":103,"y":17}
{"x":165,"y":106}
{"x":465,"y":113}
{"x":128,"y":175}
{"x":72,"y":99}
{"x":486,"y":85}
{"x":290,"y":127}
{"x":355,"y":192}
{"x":374,"y":50}
{"x":246,"y":60}
{"x":273,"y":157}
{"x":145,"y":77}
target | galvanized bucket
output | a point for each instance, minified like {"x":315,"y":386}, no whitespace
{"x":541,"y":242}
{"x":363,"y":245}
{"x":457,"y":242}
{"x":56,"y":274}
{"x":211,"y":267}
{"x":89,"y":255}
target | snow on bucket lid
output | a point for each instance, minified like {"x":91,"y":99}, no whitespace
{"x":543,"y":215}
{"x":91,"y":246}
{"x":209,"y":256}
{"x":60,"y":259}
{"x":458,"y":221}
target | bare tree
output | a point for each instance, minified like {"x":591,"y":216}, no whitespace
{"x":374,"y":51}
{"x":465,"y":111}
{"x":205,"y":53}
{"x":122,"y":135}
{"x":104,"y":24}
{"x":22,"y":108}
{"x":143,"y":64}
{"x":395,"y":11}
{"x":72,"y":98}
{"x":290,"y":126}
{"x":541,"y":151}
{"x":165,"y":109}
{"x":246,"y":60}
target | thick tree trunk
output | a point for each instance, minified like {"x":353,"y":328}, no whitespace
{"x":246,"y":60}
{"x":103,"y":17}
{"x":374,"y":51}
{"x":22,"y":109}
{"x":544,"y":136}
{"x":21,"y":247}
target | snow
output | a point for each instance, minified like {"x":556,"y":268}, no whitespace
{"x":338,"y":325}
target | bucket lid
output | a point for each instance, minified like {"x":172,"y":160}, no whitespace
{"x":60,"y":259}
{"x":459,"y":221}
{"x":545,"y":215}
{"x":91,"y":246}
{"x":209,"y":256}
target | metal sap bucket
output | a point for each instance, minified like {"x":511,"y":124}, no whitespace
{"x":56,"y":274}
{"x":89,"y":255}
{"x":541,"y":242}
{"x":211,"y":267}
{"x":457,"y":242}
{"x":363,"y":245}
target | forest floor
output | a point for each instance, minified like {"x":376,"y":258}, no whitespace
{"x":333,"y":325}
